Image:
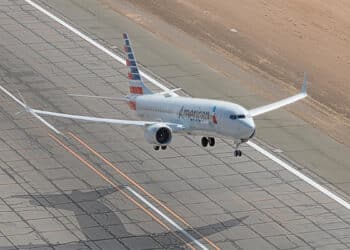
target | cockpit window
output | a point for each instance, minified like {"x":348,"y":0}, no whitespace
{"x":233,"y":117}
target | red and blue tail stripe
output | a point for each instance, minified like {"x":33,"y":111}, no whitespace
{"x":137,"y":87}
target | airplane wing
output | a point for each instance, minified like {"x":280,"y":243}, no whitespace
{"x":91,"y":118}
{"x":174,"y":126}
{"x":281,"y":103}
{"x":38,"y":113}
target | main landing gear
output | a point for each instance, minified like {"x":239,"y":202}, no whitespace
{"x":157,"y":147}
{"x":211,"y":142}
{"x":208,"y":141}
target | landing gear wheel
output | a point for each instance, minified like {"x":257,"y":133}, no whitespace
{"x":238,"y":153}
{"x":211,"y":141}
{"x":164,"y":147}
{"x":156,"y":147}
{"x":204,"y":141}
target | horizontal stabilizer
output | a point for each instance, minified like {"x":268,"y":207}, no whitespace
{"x":170,"y":92}
{"x":102,"y":97}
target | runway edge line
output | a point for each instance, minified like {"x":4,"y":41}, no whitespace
{"x":300,"y":175}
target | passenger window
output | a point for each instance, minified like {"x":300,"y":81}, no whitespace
{"x":233,"y":117}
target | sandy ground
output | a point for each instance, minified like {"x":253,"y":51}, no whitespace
{"x":284,"y":38}
{"x":280,"y":38}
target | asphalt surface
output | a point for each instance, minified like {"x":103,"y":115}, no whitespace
{"x":77,"y":191}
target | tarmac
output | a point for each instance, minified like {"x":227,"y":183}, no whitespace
{"x":103,"y":187}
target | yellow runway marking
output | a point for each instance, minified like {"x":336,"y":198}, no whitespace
{"x":89,"y":165}
{"x":141,"y":188}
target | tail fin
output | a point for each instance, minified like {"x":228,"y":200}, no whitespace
{"x":137,"y":87}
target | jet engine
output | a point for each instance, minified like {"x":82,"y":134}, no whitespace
{"x":158,"y":134}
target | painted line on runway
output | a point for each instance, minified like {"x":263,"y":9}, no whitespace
{"x":184,"y":232}
{"x":140,"y":197}
{"x":133,"y":182}
{"x":27,"y":109}
{"x":158,"y":84}
{"x":94,"y":43}
{"x":300,"y":175}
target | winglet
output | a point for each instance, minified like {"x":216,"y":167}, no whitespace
{"x":304,"y":87}
{"x":28,"y":109}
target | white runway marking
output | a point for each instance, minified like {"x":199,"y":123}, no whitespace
{"x":29,"y":110}
{"x":165,"y":217}
{"x":300,"y":175}
{"x":91,"y":41}
{"x":155,"y":82}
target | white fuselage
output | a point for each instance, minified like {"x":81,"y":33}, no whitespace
{"x":199,"y":116}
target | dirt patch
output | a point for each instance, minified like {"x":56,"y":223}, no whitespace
{"x":284,"y":38}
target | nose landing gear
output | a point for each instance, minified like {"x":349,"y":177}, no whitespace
{"x":237,"y":152}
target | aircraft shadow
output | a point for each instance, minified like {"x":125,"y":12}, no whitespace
{"x":102,"y":216}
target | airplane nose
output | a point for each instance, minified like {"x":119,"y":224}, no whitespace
{"x":252,"y":135}
{"x":250,"y":127}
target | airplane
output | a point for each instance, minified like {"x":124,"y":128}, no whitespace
{"x":166,"y":113}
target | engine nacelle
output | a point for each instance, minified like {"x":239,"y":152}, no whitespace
{"x":158,"y":134}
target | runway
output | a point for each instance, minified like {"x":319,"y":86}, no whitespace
{"x":103,"y":187}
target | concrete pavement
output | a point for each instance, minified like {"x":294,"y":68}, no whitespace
{"x":51,"y":199}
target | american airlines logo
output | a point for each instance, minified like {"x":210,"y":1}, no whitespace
{"x":214,"y":120}
{"x":196,"y":115}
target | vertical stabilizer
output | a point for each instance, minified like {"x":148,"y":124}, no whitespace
{"x":137,"y":87}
